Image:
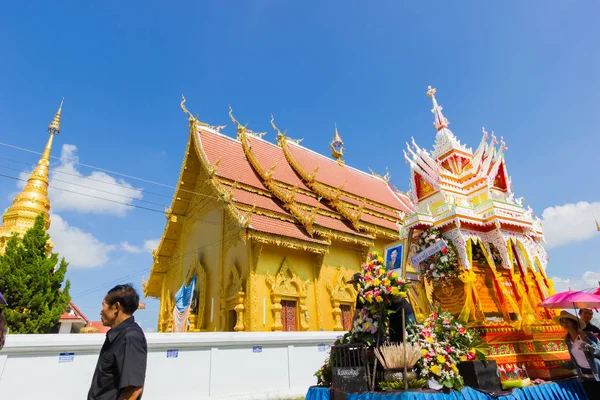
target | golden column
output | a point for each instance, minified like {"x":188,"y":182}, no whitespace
{"x":33,"y":199}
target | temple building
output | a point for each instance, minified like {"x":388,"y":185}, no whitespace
{"x":468,"y":197}
{"x":271,"y":231}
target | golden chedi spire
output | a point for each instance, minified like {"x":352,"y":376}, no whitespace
{"x":33,"y":199}
{"x":337,"y":147}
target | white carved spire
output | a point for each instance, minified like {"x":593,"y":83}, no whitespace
{"x":439,"y":120}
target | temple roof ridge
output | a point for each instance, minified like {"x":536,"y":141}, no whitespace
{"x":334,"y":161}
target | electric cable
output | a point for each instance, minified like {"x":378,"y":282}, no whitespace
{"x":102,"y":169}
{"x":176,"y":260}
{"x":93,"y":188}
{"x":55,"y":170}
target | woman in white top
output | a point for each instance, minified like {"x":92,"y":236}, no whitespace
{"x":584,"y":349}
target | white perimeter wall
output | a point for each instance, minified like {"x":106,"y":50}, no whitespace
{"x":208,"y":365}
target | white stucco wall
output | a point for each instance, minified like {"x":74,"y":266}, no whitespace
{"x":208,"y":365}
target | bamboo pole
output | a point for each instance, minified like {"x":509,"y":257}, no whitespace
{"x":408,"y":242}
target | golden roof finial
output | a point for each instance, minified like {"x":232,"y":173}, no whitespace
{"x":33,"y":199}
{"x":280,"y":135}
{"x":185,"y":110}
{"x":54,"y":127}
{"x":337,"y":147}
{"x":597,"y":224}
{"x":242,"y":128}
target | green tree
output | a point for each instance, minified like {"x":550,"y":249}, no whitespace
{"x":31,"y":282}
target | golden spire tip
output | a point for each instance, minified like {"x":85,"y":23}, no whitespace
{"x":54,"y":127}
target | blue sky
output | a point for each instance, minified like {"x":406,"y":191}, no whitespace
{"x":527,"y":70}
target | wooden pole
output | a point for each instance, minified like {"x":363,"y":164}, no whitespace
{"x":404,"y":344}
{"x":407,"y":243}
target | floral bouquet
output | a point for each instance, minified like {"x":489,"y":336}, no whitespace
{"x":378,"y":288}
{"x":444,"y":342}
{"x":441,"y":266}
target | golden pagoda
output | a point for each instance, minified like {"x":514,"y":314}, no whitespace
{"x":33,"y":199}
{"x":272,"y":232}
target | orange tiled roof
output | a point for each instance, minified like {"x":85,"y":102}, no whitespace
{"x":283,"y":228}
{"x":232,"y":164}
{"x":356,"y":182}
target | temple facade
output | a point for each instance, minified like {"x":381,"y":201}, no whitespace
{"x":271,"y":231}
{"x":468,"y":197}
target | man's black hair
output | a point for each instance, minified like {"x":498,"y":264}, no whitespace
{"x":126,"y":296}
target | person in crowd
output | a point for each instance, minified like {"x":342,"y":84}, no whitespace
{"x":586,"y":315}
{"x":584,"y":349}
{"x":121,"y":368}
{"x":3,"y":327}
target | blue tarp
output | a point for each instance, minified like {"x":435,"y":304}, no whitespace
{"x":564,"y":390}
{"x":183,"y":297}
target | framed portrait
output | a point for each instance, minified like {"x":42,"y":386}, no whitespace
{"x":394,"y":254}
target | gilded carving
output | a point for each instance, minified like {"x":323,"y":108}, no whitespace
{"x":287,"y":284}
{"x":341,"y":293}
{"x":235,"y":297}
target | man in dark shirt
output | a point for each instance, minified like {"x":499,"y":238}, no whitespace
{"x":121,"y":369}
{"x":586,"y":316}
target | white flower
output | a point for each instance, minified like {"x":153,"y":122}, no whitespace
{"x":444,"y":259}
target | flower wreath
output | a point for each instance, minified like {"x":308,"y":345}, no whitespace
{"x":441,"y":266}
{"x":444,"y":343}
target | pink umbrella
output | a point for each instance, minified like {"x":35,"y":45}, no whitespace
{"x":572,"y":299}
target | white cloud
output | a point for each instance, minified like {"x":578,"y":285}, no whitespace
{"x":588,"y":280}
{"x":81,"y":249}
{"x":570,"y":223}
{"x":147,"y":247}
{"x":66,"y":176}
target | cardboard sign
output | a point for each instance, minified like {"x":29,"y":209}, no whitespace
{"x":428,"y":252}
{"x":172,"y":353}
{"x":66,"y":357}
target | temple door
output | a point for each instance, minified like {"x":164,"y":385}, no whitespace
{"x":346,"y":316}
{"x":288,"y":316}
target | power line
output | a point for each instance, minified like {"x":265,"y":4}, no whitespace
{"x":91,"y":166}
{"x":124,"y":186}
{"x":135,"y":274}
{"x":92,"y":188}
{"x":89,"y":195}
{"x":106,"y":170}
